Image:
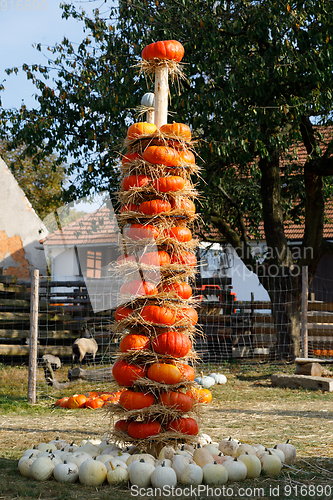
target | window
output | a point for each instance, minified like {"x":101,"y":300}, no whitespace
{"x":94,"y":264}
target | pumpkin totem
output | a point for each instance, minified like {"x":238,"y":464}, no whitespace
{"x":157,"y":319}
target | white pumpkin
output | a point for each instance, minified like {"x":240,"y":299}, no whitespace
{"x":66,"y":472}
{"x":271,"y":465}
{"x":215,"y":474}
{"x":219,"y":378}
{"x":289,"y":451}
{"x":167,"y":462}
{"x":105,"y":458}
{"x":192,"y":474}
{"x":92,"y":472}
{"x":34,"y":451}
{"x":259,"y":447}
{"x":252,"y":463}
{"x":140,"y":472}
{"x":178,"y":464}
{"x":46,"y":447}
{"x":122,"y":456}
{"x":41,"y":469}
{"x":245,"y":448}
{"x":139,"y":456}
{"x":228,"y":446}
{"x":92,"y":449}
{"x":95,"y":442}
{"x":279,"y":453}
{"x":236,"y":469}
{"x":201,"y":456}
{"x":166,"y":452}
{"x":111,"y":450}
{"x":59,"y":443}
{"x":207,"y":438}
{"x":79,"y":457}
{"x":205,"y":381}
{"x":71,"y":447}
{"x":163,"y":476}
{"x":148,"y":100}
{"x":117,"y":475}
{"x":213,"y":450}
{"x":25,"y":463}
{"x":114,"y":462}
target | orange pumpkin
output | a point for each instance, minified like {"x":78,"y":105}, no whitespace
{"x":122,"y":313}
{"x":187,"y":314}
{"x":179,"y":130}
{"x":205,"y":396}
{"x":62,"y":402}
{"x":164,"y":373}
{"x":126,"y":373}
{"x":200,"y":395}
{"x":91,"y":394}
{"x":134,"y":341}
{"x":181,"y":402}
{"x":138,"y":288}
{"x":166,"y":49}
{"x":122,"y":425}
{"x":183,"y":203}
{"x":181,"y":289}
{"x":158,"y":315}
{"x":184,"y":157}
{"x":187,"y":426}
{"x":76,"y":401}
{"x":143,"y":430}
{"x":131,"y":181}
{"x":140,"y":231}
{"x":131,"y":400}
{"x":168,"y":184}
{"x":179,"y":233}
{"x":186,"y":371}
{"x":172,"y":343}
{"x":161,"y":155}
{"x":160,"y":258}
{"x":153,"y":207}
{"x":130,"y":158}
{"x":94,"y":403}
{"x":140,"y":128}
{"x":184,"y":258}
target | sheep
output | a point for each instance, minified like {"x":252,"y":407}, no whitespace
{"x":53,"y":360}
{"x":82,"y":346}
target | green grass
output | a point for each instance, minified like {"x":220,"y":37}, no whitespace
{"x":247,"y":408}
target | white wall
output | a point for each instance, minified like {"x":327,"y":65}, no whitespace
{"x":20,"y":229}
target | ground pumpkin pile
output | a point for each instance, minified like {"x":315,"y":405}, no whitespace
{"x":157,"y":319}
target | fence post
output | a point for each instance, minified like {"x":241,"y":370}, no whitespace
{"x":34,"y":296}
{"x":304,"y":315}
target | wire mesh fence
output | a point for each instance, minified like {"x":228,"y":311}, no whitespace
{"x":227,"y":328}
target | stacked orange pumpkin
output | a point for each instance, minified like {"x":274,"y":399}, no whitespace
{"x":157,"y":318}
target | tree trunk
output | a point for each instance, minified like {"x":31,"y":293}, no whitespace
{"x":285,"y":294}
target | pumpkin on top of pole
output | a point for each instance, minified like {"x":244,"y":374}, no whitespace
{"x":160,"y":403}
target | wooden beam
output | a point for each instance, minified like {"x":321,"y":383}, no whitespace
{"x":305,"y":381}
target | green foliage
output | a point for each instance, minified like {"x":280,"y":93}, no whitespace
{"x":259,"y":75}
{"x":41,"y":182}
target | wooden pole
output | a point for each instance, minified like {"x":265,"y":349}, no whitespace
{"x":161,"y":95}
{"x":32,"y":377}
{"x":304,"y":313}
{"x":150,"y":116}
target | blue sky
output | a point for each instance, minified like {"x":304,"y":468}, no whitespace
{"x":20,"y":29}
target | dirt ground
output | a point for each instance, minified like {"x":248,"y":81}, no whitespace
{"x":307,"y":425}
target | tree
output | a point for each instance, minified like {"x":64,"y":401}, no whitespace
{"x":41,"y":183}
{"x":258,"y":80}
